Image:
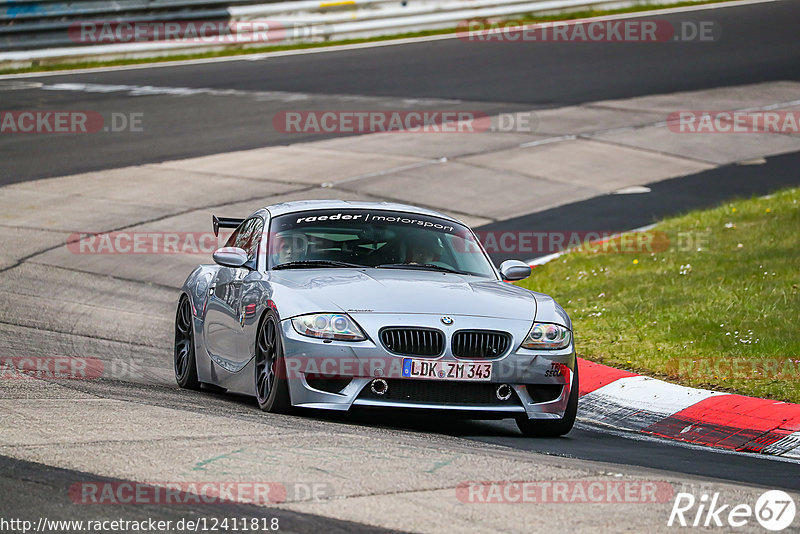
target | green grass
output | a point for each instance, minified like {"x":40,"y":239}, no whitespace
{"x":241,"y":50}
{"x":719,"y":307}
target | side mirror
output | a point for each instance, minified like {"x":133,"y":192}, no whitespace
{"x":514,"y":270}
{"x":230,"y":256}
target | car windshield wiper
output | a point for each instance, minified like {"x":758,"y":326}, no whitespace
{"x":421,"y":266}
{"x":303,"y":264}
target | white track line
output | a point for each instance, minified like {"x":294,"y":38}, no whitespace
{"x":541,"y":260}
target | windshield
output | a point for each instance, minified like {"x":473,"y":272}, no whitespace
{"x":371,"y":238}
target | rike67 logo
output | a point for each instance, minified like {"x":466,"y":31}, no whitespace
{"x":774,"y":510}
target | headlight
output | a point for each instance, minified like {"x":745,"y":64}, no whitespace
{"x":547,"y":336}
{"x":328,"y":326}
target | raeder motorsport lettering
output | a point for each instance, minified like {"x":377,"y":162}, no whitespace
{"x":386,"y":217}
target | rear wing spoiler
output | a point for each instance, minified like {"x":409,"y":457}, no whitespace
{"x":224,"y":222}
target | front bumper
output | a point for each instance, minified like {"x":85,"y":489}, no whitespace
{"x":541,"y":380}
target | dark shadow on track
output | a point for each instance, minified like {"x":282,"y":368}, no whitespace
{"x":591,"y":443}
{"x":32,"y":490}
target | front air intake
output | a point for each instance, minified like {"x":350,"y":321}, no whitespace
{"x":479,"y":344}
{"x":425,"y":342}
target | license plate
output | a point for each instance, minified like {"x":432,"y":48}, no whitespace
{"x":466,"y":371}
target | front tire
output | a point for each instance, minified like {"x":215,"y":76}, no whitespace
{"x":553,"y":428}
{"x":184,"y":358}
{"x":272,"y":386}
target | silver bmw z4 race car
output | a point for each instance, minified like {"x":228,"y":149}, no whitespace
{"x":334,"y":305}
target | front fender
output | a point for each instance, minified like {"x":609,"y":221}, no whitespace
{"x":549,"y":311}
{"x":196,"y":287}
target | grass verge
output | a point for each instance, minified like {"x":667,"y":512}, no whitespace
{"x":708,"y":299}
{"x":241,"y":50}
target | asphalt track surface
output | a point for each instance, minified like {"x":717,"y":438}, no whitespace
{"x":763,"y":46}
{"x":43,"y":487}
{"x":757,"y":43}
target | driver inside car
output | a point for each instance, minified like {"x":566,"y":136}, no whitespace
{"x":288,"y":248}
{"x":423,"y":248}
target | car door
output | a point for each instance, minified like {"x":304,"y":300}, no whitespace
{"x":222,"y":324}
{"x":250,"y":293}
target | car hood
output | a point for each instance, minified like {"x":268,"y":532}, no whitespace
{"x":400,"y":291}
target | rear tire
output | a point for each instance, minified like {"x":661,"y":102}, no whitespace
{"x":272,"y":386}
{"x":553,"y":428}
{"x":184,"y":360}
